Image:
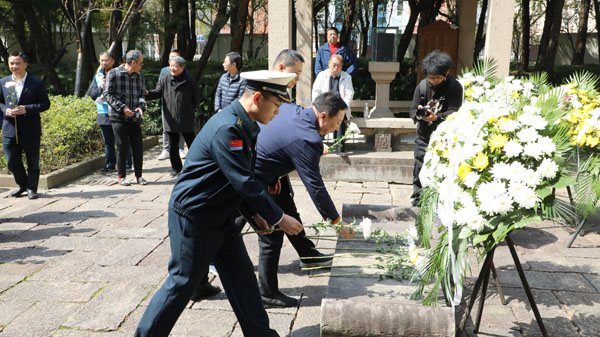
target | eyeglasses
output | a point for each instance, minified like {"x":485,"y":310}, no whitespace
{"x":267,"y":98}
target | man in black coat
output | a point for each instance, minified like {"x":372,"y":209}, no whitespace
{"x":435,"y":98}
{"x":22,"y":100}
{"x":179,"y":92}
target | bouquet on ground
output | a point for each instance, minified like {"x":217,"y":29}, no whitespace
{"x":489,"y":169}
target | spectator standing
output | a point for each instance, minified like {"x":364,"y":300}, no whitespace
{"x":180,"y":97}
{"x":165,"y":152}
{"x":440,"y":86}
{"x":124,"y":91}
{"x":95,"y":92}
{"x":333,"y":47}
{"x":231,"y":85}
{"x":334,"y":79}
{"x":23,"y":98}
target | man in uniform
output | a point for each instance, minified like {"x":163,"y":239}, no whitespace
{"x":217,"y":176}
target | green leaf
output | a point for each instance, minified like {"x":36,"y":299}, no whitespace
{"x":564,"y":181}
{"x":525,"y":221}
{"x":480,"y":238}
{"x":500,"y":232}
{"x":543,"y":192}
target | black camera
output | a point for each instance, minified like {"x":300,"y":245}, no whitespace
{"x":435,"y":105}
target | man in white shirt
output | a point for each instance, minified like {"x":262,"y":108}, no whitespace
{"x":336,"y":80}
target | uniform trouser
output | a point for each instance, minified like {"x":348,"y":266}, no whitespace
{"x":174,"y":149}
{"x":270,"y":244}
{"x":341,"y":147}
{"x":14,"y":148}
{"x":126,"y":134}
{"x":193,"y":247}
{"x":165,"y":137}
{"x":420,"y":149}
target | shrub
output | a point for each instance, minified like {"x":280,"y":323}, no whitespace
{"x":69,"y":134}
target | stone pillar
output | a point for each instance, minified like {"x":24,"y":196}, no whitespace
{"x":467,"y":16}
{"x":383,"y":73}
{"x":498,"y":39}
{"x":280,"y":27}
{"x":304,"y":45}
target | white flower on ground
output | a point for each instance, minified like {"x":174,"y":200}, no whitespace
{"x":547,"y":169}
{"x":10,"y":84}
{"x":412,"y":232}
{"x":353,"y":128}
{"x":365,"y":225}
{"x":413,"y":253}
{"x":512,"y":148}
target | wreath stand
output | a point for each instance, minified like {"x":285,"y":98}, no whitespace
{"x":482,"y":282}
{"x":581,"y":224}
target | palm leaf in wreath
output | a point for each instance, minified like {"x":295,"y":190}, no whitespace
{"x":584,"y":79}
{"x":540,"y":82}
{"x":428,"y":203}
{"x":486,"y":68}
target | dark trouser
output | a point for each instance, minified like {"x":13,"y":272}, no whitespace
{"x":174,"y":148}
{"x":128,"y":134}
{"x":14,"y":151}
{"x":270,"y":244}
{"x":165,"y":137}
{"x":193,"y":247}
{"x":341,"y":147}
{"x":420,"y":149}
{"x":109,"y":147}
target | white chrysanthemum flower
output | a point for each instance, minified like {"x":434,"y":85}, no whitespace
{"x":500,"y":171}
{"x":509,"y":79}
{"x":516,"y":82}
{"x":476,"y":223}
{"x":412,"y":232}
{"x":528,"y":86}
{"x":531,"y":178}
{"x":523,"y":195}
{"x":531,"y":109}
{"x":471,"y":179}
{"x":508,"y":125}
{"x":512,"y":148}
{"x":486,"y":85}
{"x":478,"y":91}
{"x":10,"y":84}
{"x":480,"y":79}
{"x":353,"y":128}
{"x":547,"y":145}
{"x":365,"y":225}
{"x":547,"y":169}
{"x":503,"y":204}
{"x":576,"y":104}
{"x":528,"y":135}
{"x":535,"y":121}
{"x":533,"y":150}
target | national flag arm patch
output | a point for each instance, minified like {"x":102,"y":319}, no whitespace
{"x":235,"y":145}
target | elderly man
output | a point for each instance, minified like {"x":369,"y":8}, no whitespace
{"x":22,"y":98}
{"x":332,"y":47}
{"x":336,"y":80}
{"x":231,"y":85}
{"x":179,"y":92}
{"x":124,"y":91}
{"x":217,"y":176}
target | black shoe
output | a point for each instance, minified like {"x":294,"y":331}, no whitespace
{"x":278,"y":299}
{"x":205,"y":290}
{"x":414,"y":202}
{"x":31,"y":194}
{"x":18,"y":192}
{"x":107,"y":169}
{"x":129,"y":169}
{"x":174,"y":174}
{"x":318,"y":259}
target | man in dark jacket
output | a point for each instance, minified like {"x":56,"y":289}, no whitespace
{"x":435,"y":98}
{"x":231,"y":85}
{"x":333,"y":47}
{"x":179,"y":92}
{"x":22,"y":98}
{"x":217,"y":176}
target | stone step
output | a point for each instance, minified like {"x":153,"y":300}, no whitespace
{"x":396,"y":167}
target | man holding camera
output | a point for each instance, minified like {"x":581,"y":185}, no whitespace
{"x":435,"y":98}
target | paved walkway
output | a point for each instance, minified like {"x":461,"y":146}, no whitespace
{"x":84,"y":260}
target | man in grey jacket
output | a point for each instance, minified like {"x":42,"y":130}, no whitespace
{"x":231,"y":86}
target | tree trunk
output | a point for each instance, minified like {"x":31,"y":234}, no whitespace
{"x":316,"y":29}
{"x":348,"y":24}
{"x":525,"y":37}
{"x":116,"y":18}
{"x":220,"y":21}
{"x":480,"y":37}
{"x":546,"y":32}
{"x":192,"y":24}
{"x":407,"y":35}
{"x":238,"y":25}
{"x":3,"y":52}
{"x":582,"y":28}
{"x":168,"y":35}
{"x":548,"y":64}
{"x":364,"y":29}
{"x":26,"y":42}
{"x":132,"y":14}
{"x":597,"y":15}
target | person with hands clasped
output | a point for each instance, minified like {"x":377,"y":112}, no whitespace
{"x":125,"y":91}
{"x":218,"y":175}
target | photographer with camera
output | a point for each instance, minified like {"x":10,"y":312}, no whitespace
{"x":435,"y":98}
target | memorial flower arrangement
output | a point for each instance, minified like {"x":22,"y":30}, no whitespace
{"x":489,"y":169}
{"x":352,"y":130}
{"x":11,"y":101}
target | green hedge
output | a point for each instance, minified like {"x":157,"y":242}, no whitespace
{"x":69,"y":134}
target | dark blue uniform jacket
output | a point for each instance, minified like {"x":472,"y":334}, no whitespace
{"x":292,"y":142}
{"x":218,"y":172}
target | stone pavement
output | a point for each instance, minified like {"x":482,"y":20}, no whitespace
{"x":85,"y":259}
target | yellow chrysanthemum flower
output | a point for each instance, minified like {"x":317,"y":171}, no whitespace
{"x":463,"y":170}
{"x":480,"y":162}
{"x":515,"y":95}
{"x":592,"y":141}
{"x":469,"y":92}
{"x":497,"y":141}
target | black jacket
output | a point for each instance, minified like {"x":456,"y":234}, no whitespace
{"x":452,"y":92}
{"x":180,"y":98}
{"x":35,"y":99}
